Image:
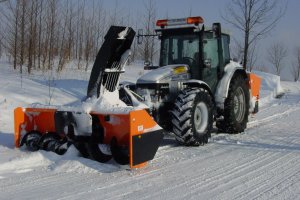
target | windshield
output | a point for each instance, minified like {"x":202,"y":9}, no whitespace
{"x":180,"y":49}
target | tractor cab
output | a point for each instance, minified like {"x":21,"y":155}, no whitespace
{"x":205,"y":51}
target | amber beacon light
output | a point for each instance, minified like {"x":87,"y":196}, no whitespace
{"x":181,"y":21}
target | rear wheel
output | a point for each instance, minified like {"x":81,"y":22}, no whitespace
{"x":192,"y":116}
{"x":236,"y":107}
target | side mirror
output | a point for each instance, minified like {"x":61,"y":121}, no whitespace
{"x":216,"y":28}
{"x":140,"y":36}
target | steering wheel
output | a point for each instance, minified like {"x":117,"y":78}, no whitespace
{"x":190,"y":60}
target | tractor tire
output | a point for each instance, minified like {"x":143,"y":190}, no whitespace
{"x":236,"y":107}
{"x":192,"y":116}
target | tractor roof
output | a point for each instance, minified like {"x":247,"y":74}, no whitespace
{"x":184,"y":24}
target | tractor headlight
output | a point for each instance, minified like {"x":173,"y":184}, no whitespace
{"x":180,"y":70}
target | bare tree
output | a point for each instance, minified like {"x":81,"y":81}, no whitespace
{"x":1,"y":39}
{"x":12,"y":17}
{"x":148,"y":47}
{"x":261,"y":67}
{"x":236,"y":50}
{"x":296,"y":66}
{"x":40,"y":26}
{"x":276,"y":54}
{"x":114,"y":14}
{"x":80,"y":31}
{"x":37,"y":34}
{"x":62,"y":46}
{"x":254,"y":18}
{"x":99,"y":27}
{"x":51,"y":25}
{"x":252,"y":57}
{"x":70,"y":30}
{"x":23,"y":24}
{"x":32,"y":35}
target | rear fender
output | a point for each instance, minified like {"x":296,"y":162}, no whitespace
{"x":232,"y":69}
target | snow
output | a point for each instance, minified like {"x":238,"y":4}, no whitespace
{"x":122,"y":35}
{"x":271,"y":85}
{"x":261,"y":163}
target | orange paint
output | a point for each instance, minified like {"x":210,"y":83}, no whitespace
{"x":28,"y":119}
{"x":254,"y":83}
{"x":140,"y":122}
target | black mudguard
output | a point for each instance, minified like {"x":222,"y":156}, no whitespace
{"x":145,"y":146}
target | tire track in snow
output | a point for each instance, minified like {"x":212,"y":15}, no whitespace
{"x":264,"y":121}
{"x":114,"y":193}
{"x":278,"y":174}
{"x":281,"y":186}
{"x":47,"y":181}
{"x":225,"y":169}
{"x":218,"y":171}
{"x":285,"y":191}
{"x":257,"y":180}
{"x":216,"y":183}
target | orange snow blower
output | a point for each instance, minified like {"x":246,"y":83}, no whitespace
{"x":126,"y":133}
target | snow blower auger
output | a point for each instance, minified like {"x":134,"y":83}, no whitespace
{"x":131,"y":134}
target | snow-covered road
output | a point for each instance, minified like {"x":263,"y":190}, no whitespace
{"x":261,"y":163}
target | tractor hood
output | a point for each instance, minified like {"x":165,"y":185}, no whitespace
{"x":165,"y":74}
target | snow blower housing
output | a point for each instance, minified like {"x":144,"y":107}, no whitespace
{"x":131,"y":134}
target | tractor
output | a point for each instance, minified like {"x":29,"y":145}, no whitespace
{"x":196,"y":82}
{"x":195,"y":85}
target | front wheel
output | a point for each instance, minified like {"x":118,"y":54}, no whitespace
{"x":192,"y":116}
{"x":236,"y":107}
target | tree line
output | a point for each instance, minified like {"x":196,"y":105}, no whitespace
{"x":43,"y":34}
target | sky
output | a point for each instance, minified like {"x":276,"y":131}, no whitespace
{"x":286,"y":31}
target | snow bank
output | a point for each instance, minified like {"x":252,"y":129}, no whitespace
{"x":27,"y":162}
{"x":270,"y":87}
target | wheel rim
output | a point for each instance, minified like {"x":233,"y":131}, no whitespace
{"x":201,"y":117}
{"x":239,"y":104}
